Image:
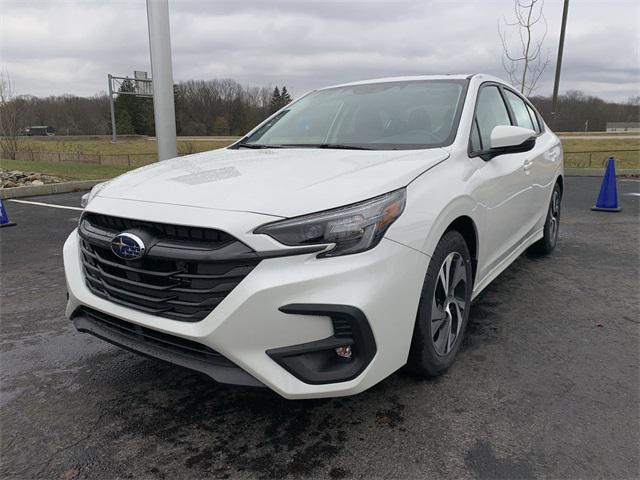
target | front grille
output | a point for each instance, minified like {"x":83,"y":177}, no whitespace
{"x":165,"y":341}
{"x":165,"y":231}
{"x":185,"y":274}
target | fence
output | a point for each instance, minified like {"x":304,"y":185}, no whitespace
{"x":130,"y":159}
{"x":627,"y":158}
{"x":185,"y":147}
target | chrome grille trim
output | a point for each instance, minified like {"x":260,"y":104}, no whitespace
{"x":181,"y":278}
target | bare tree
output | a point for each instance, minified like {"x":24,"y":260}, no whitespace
{"x":635,"y":101}
{"x":525,"y":62}
{"x":9,"y":118}
{"x":203,"y":107}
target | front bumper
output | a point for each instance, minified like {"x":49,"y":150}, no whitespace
{"x":383,"y":283}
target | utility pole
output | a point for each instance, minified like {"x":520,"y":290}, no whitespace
{"x":113,"y":110}
{"x":162,"y":75}
{"x":556,"y":85}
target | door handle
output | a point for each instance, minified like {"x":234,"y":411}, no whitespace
{"x":527,"y":166}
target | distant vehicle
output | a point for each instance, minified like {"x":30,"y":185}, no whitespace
{"x":39,"y":131}
{"x":342,"y":238}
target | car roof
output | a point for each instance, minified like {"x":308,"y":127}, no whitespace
{"x":415,"y":78}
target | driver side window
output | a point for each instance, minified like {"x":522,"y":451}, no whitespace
{"x":490,"y":112}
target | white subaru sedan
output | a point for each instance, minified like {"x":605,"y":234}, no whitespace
{"x":340,"y":240}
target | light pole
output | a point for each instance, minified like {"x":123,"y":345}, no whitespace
{"x":162,"y":75}
{"x":556,"y":85}
{"x":113,"y":110}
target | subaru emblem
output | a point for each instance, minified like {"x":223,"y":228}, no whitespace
{"x":127,"y":246}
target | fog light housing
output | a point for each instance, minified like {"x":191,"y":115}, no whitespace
{"x":338,"y":358}
{"x":344,"y":351}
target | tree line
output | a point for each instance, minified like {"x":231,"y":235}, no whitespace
{"x":203,"y":107}
{"x":225,"y":107}
{"x":578,"y":112}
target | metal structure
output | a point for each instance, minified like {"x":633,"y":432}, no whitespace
{"x":556,"y":85}
{"x":142,"y":87}
{"x":160,"y":88}
{"x":142,"y":82}
{"x":162,"y":73}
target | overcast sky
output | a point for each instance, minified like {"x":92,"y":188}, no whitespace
{"x":55,"y":47}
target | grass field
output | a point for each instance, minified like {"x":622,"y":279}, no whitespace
{"x":66,"y":170}
{"x":597,"y":134}
{"x":579,"y":153}
{"x":593,"y":152}
{"x":141,"y":150}
{"x":126,"y":146}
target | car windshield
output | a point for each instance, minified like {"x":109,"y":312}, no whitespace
{"x":380,"y":116}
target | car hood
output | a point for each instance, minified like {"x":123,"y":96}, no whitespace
{"x":279,"y":182}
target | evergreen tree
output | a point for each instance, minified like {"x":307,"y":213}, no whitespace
{"x":285,"y":98}
{"x":139,"y":112}
{"x":276,"y":101}
{"x":125,"y":107}
{"x":143,"y":121}
{"x":279,"y":99}
{"x":124,"y":126}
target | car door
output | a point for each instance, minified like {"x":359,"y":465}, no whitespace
{"x":506,"y":191}
{"x":543,"y":157}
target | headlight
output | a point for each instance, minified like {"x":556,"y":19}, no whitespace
{"x":354,"y":228}
{"x":87,"y":197}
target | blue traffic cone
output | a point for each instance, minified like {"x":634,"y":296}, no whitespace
{"x":608,"y":197}
{"x":4,"y":216}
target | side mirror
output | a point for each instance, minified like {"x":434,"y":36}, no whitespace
{"x":510,"y":139}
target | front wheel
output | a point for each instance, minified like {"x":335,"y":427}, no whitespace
{"x":444,"y":307}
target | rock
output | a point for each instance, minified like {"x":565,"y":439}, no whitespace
{"x":16,"y":178}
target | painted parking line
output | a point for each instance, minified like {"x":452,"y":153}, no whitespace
{"x":42,"y":204}
{"x":632,"y":194}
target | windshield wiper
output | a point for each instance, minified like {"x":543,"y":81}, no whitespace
{"x":341,"y":146}
{"x":336,"y":146}
{"x":256,"y":145}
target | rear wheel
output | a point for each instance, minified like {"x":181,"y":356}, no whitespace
{"x":444,"y":307}
{"x":548,"y":242}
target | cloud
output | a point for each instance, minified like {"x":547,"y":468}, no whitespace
{"x":54,"y":47}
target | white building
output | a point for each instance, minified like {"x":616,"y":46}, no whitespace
{"x":623,"y":126}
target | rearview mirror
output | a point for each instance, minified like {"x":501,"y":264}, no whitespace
{"x":510,"y":139}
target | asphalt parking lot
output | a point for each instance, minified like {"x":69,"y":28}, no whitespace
{"x":547,"y":384}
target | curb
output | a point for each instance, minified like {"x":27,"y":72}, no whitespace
{"x":47,"y":189}
{"x":598,"y":172}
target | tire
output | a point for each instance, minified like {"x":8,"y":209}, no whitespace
{"x":548,"y":242}
{"x":432,"y":351}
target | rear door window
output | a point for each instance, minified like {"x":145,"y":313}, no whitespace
{"x":536,"y":120}
{"x":519,"y":109}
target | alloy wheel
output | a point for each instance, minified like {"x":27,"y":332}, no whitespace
{"x":449,"y":303}
{"x":554,"y":215}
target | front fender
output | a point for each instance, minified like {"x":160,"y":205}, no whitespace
{"x":434,"y":201}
